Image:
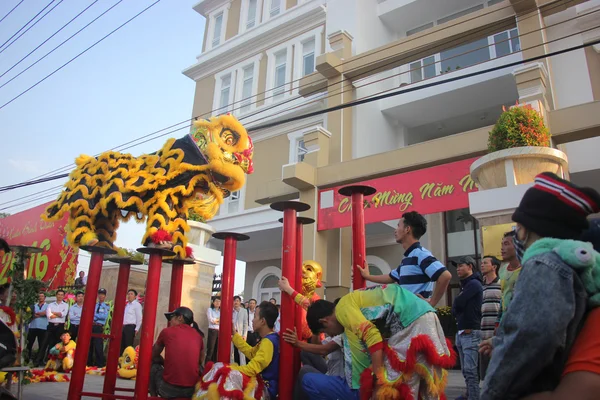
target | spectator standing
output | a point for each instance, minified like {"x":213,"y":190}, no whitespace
{"x":277,"y":326}
{"x":273,"y":300}
{"x":467,"y":310}
{"x":214,"y":317}
{"x":509,"y":272}
{"x":75,"y":315}
{"x":419,"y":268}
{"x":132,"y":320}
{"x":490,"y":307}
{"x":38,"y":327}
{"x":252,"y":338}
{"x":56,"y":313}
{"x":240,"y":325}
{"x":96,"y":352}
{"x":79,"y":282}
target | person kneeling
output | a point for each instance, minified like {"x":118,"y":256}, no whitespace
{"x":231,"y":381}
{"x":385,"y":323}
{"x":62,"y":355}
{"x":176,"y":375}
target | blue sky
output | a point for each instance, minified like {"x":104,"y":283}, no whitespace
{"x":127,"y":86}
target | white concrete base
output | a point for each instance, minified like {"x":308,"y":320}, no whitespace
{"x":496,"y":202}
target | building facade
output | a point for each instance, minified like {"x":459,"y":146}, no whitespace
{"x":267,"y":60}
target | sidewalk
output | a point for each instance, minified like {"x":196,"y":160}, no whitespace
{"x":93,"y":383}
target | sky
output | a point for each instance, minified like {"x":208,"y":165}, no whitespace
{"x":127,"y":86}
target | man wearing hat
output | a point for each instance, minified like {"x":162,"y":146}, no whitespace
{"x":97,"y":344}
{"x":177,"y":373}
{"x":467,"y":310}
{"x":545,"y":315}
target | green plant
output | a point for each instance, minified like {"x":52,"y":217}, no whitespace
{"x":133,"y":254}
{"x":194,"y":216}
{"x":517,"y":127}
{"x":26,"y":290}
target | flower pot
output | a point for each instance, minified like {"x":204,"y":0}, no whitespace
{"x":517,"y":166}
{"x":199,"y":233}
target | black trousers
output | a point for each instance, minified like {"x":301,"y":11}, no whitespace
{"x":127,"y":336}
{"x":33,"y":335}
{"x":211,"y":345}
{"x":96,"y":349}
{"x":252,"y":338}
{"x":74,"y":331}
{"x":52,"y":338}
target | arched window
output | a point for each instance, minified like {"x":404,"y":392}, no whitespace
{"x":269,"y":289}
{"x":373,"y":270}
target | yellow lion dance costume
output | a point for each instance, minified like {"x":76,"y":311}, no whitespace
{"x":62,"y":355}
{"x":128,"y":363}
{"x":193,"y":173}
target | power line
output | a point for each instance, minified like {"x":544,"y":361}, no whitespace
{"x":45,"y":41}
{"x":13,"y":9}
{"x":560,"y":4}
{"x":80,"y":54}
{"x":32,"y":25}
{"x":60,"y":45}
{"x":28,"y":22}
{"x":371,"y":98}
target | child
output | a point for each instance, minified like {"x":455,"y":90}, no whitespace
{"x":62,"y":355}
{"x":409,"y":363}
{"x":263,"y":368}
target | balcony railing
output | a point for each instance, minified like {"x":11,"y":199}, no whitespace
{"x":479,"y":51}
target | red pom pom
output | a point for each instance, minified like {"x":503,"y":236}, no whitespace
{"x":189,"y":252}
{"x":161,"y":236}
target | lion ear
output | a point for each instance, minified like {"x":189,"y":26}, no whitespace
{"x":319,"y":284}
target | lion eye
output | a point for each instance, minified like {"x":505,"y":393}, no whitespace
{"x":229,"y":138}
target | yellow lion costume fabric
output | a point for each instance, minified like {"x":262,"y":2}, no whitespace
{"x":193,"y":173}
{"x":128,"y":363}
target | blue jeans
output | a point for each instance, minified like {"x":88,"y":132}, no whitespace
{"x":325,"y":387}
{"x":468,"y":351}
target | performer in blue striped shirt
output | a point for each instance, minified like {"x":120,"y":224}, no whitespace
{"x":419,"y":268}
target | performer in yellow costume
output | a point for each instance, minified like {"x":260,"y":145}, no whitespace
{"x":62,"y":355}
{"x":128,"y":363}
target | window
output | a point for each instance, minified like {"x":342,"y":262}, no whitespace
{"x":217,"y":31}
{"x":459,"y":14}
{"x":225,"y":93}
{"x":419,"y":29}
{"x":275,"y":8}
{"x":233,"y":204}
{"x":422,"y":69}
{"x":269,"y":289}
{"x":300,"y":150}
{"x":308,"y":57}
{"x":247,"y":85}
{"x":374,"y":271}
{"x":464,"y":56}
{"x":280,"y":72}
{"x":504,"y":46}
{"x":251,"y":19}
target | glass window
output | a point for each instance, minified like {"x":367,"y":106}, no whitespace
{"x":459,"y":14}
{"x":234,"y":202}
{"x":514,"y":40}
{"x":429,"y":67}
{"x":251,"y":20}
{"x":501,"y":44}
{"x":225,"y":92}
{"x":416,"y":74}
{"x":217,"y":31}
{"x":270,"y":281}
{"x":308,"y":57}
{"x":300,"y":150}
{"x":279,"y":82}
{"x":275,"y":7}
{"x":248,"y":80}
{"x":465,"y":55}
{"x":419,"y":29}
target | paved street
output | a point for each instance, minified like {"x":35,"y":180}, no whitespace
{"x":58,"y":391}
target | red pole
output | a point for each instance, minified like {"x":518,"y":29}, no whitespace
{"x":300,"y":313}
{"x":116,"y":327}
{"x":288,"y":307}
{"x":227,"y":285}
{"x":359,"y":252}
{"x":85,"y":324}
{"x":149,"y":318}
{"x":176,"y":284}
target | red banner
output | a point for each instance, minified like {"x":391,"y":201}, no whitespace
{"x":430,"y":190}
{"x":57,"y":263}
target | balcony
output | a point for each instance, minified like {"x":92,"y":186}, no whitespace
{"x":457,"y":106}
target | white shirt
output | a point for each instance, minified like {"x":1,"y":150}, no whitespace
{"x":213,"y":317}
{"x":250,"y":319}
{"x":133,"y":314}
{"x":277,"y":326}
{"x":62,"y":308}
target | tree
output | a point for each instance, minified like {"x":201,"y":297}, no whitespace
{"x":4,"y":215}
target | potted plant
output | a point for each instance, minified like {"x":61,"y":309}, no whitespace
{"x":519,"y":149}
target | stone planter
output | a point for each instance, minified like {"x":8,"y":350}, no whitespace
{"x":199,"y":233}
{"x":517,"y":166}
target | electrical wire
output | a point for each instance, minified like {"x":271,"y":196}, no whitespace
{"x":28,"y":22}
{"x":79,"y":55}
{"x":560,"y":4}
{"x":31,"y":26}
{"x":45,"y":41}
{"x":13,"y":9}
{"x":376,"y":97}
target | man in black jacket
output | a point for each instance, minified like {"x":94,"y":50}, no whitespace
{"x":467,"y":310}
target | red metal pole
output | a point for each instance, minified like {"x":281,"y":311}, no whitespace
{"x":116,"y":328}
{"x":85,"y":326}
{"x":227,"y":285}
{"x":300,"y":313}
{"x":176,"y":284}
{"x":358,"y":240}
{"x":149,"y":318}
{"x":288,"y":307}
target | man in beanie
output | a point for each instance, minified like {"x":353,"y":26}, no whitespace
{"x":547,"y":309}
{"x":467,"y":310}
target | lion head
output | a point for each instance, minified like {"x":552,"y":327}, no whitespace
{"x":311,"y":276}
{"x":227,"y":148}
